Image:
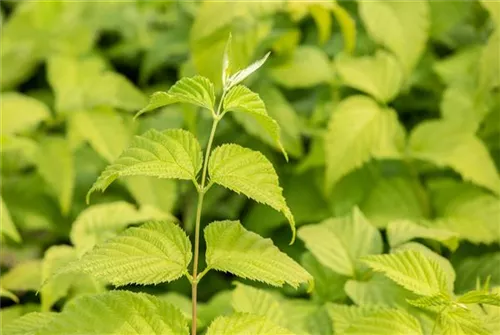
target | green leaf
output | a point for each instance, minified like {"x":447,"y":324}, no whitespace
{"x":29,"y":324}
{"x":8,"y":294}
{"x":328,"y":285}
{"x":394,"y":198}
{"x":21,"y":113}
{"x":241,"y":75}
{"x":378,"y":291}
{"x":358,"y":131}
{"x":232,"y":248}
{"x":488,"y":64}
{"x":59,"y":286}
{"x":401,"y":231}
{"x":380,"y":75}
{"x":463,"y":106}
{"x":284,"y":113}
{"x":244,"y":324}
{"x":468,"y":211}
{"x":7,"y":227}
{"x":153,"y":253}
{"x":103,"y":128}
{"x":25,"y":276}
{"x":443,"y":262}
{"x":196,"y":90}
{"x":348,"y":26}
{"x":343,"y":316}
{"x":247,"y":299}
{"x":434,"y":302}
{"x":241,"y":99}
{"x":308,"y":66}
{"x":124,"y":312}
{"x":412,"y":270}
{"x":81,"y":84}
{"x":249,"y":172}
{"x":395,"y":322}
{"x":338,"y":243}
{"x":56,"y":165}
{"x":208,"y":37}
{"x":401,"y":27}
{"x":173,"y":153}
{"x":447,"y":145}
{"x":477,"y":268}
{"x":157,"y":193}
{"x":460,"y":321}
{"x":480,"y":297}
{"x":100,"y":222}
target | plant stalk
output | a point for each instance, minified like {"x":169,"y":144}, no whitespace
{"x":201,"y":194}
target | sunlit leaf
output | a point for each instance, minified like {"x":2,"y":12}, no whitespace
{"x":232,"y":248}
{"x":153,"y":253}
{"x":249,"y":172}
{"x":174,"y":154}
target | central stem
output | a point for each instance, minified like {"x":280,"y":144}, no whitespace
{"x":201,"y":194}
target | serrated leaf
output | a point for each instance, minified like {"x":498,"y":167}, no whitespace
{"x":338,"y":243}
{"x":244,"y":324}
{"x":124,"y":312}
{"x":56,"y":165}
{"x":460,"y":321}
{"x":395,"y":322}
{"x":173,"y":153}
{"x":232,"y":248}
{"x":308,"y":66}
{"x":401,"y":231}
{"x":103,"y":128}
{"x":241,"y":75}
{"x":153,"y":253}
{"x":251,"y":300}
{"x":195,"y":90}
{"x":29,"y":324}
{"x":434,"y":302}
{"x":358,"y":131}
{"x":249,"y":172}
{"x":98,"y":223}
{"x":380,"y":75}
{"x":7,"y":227}
{"x":443,"y":262}
{"x":21,"y":113}
{"x":401,"y":27}
{"x":480,"y":297}
{"x":25,"y":276}
{"x":412,"y":270}
{"x":447,"y":145}
{"x":241,"y":99}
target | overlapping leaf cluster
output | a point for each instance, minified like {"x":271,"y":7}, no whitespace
{"x":372,"y":126}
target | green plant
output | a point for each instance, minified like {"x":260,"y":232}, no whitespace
{"x":159,"y":252}
{"x":388,"y":112}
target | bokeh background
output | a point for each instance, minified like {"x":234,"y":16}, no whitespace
{"x":388,"y":108}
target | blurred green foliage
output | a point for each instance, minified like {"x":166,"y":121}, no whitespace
{"x":389,"y":108}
